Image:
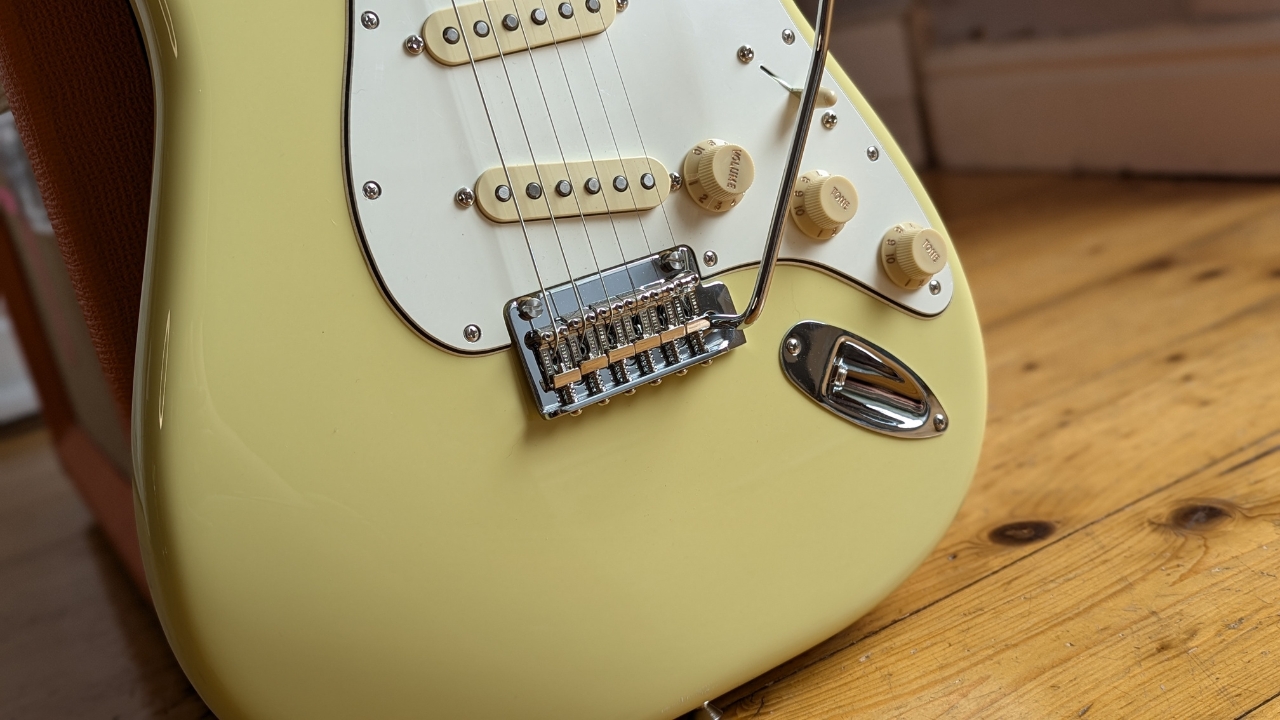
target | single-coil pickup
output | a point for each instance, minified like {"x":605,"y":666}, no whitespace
{"x":567,"y":190}
{"x":511,"y":26}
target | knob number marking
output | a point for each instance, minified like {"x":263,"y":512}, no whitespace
{"x":911,"y":255}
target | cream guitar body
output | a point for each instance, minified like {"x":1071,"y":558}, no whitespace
{"x":383,"y":471}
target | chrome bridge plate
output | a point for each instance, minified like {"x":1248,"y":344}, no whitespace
{"x":585,"y":341}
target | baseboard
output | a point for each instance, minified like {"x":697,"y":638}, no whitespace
{"x":1199,"y":100}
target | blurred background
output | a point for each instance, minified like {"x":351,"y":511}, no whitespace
{"x":1149,"y":108}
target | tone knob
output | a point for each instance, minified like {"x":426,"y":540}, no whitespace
{"x":718,"y":174}
{"x":912,"y":255}
{"x":822,"y":203}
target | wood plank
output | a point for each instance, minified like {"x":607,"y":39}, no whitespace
{"x":1147,"y":391}
{"x":78,"y":640}
{"x":1163,"y":608}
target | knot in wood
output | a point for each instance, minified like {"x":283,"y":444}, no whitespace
{"x":1024,"y":532}
{"x":1199,"y":516}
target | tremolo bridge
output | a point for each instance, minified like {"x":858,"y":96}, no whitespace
{"x":585,"y":341}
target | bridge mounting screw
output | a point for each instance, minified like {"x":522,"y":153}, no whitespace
{"x":935,"y":287}
{"x":873,"y":153}
{"x":530,"y":308}
{"x":710,"y":258}
{"x":746,"y":54}
{"x":465,"y":197}
{"x":677,"y":182}
{"x":940,"y":422}
{"x":829,"y":120}
{"x":471,"y":333}
{"x":789,"y":36}
{"x":369,"y":19}
{"x":673,"y":261}
{"x":372,"y":190}
{"x":414,"y":45}
{"x":793,"y":347}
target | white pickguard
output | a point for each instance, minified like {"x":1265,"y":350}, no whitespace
{"x":419,"y":130}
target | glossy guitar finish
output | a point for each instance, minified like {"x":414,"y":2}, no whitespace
{"x":341,"y":520}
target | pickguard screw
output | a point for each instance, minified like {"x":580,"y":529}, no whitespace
{"x":471,"y":333}
{"x":622,"y":4}
{"x":465,"y":197}
{"x":372,"y":190}
{"x":530,"y":308}
{"x":935,"y":287}
{"x":940,"y":422}
{"x":414,"y":45}
{"x":873,"y":153}
{"x":369,"y":19}
{"x":789,"y":36}
{"x":746,"y":54}
{"x":710,"y":258}
{"x":829,"y":120}
{"x":793,"y":347}
{"x":677,"y":182}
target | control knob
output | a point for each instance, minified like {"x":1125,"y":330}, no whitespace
{"x":717,"y":174}
{"x":822,"y":203}
{"x":912,"y":255}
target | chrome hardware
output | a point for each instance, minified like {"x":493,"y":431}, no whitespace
{"x":861,"y":382}
{"x":564,"y":188}
{"x":677,"y":182}
{"x":369,"y":20}
{"x":451,"y":35}
{"x":592,"y":186}
{"x":708,"y":712}
{"x":620,"y":184}
{"x":873,"y":153}
{"x":481,"y":28}
{"x":710,"y":258}
{"x":465,"y":197}
{"x":503,"y":193}
{"x":648,"y":182}
{"x":530,"y":308}
{"x":593,"y":6}
{"x":935,"y":287}
{"x":471,"y":333}
{"x":829,"y":120}
{"x":414,"y":45}
{"x":566,"y":11}
{"x":622,"y":4}
{"x":510,"y":22}
{"x":372,"y":190}
{"x":533,"y":190}
{"x":773,"y":241}
{"x":789,"y":36}
{"x":638,"y":323}
{"x":538,"y":16}
{"x":746,"y":54}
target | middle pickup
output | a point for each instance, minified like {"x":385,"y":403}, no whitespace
{"x":462,"y":33}
{"x":567,"y":190}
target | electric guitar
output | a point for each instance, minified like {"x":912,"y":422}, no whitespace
{"x":532,"y":359}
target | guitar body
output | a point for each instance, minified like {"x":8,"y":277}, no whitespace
{"x":345,"y":514}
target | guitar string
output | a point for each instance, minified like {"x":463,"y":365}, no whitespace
{"x":609,"y":122}
{"x":595,"y":169}
{"x":515,"y":102}
{"x":505,"y":170}
{"x":560,"y":146}
{"x":636,"y":122}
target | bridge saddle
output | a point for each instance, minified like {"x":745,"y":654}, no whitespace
{"x":636,"y":324}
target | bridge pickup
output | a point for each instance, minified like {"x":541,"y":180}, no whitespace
{"x":593,"y":188}
{"x":637,"y":323}
{"x":488,"y":27}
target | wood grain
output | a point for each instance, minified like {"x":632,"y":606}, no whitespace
{"x":1111,"y":380}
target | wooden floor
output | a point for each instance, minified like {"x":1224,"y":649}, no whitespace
{"x":1117,"y":556}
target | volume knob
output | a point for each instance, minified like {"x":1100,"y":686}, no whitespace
{"x":719,"y":174}
{"x":822,"y":203}
{"x":912,"y":255}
